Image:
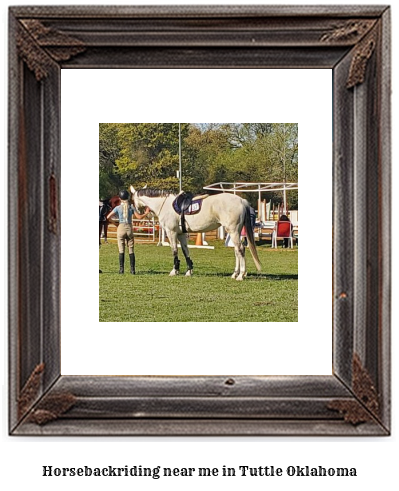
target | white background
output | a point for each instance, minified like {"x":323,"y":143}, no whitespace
{"x":374,"y":458}
{"x":279,"y":348}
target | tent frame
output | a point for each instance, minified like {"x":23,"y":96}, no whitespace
{"x":254,"y":187}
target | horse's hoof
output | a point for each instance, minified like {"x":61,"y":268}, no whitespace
{"x":234,"y":276}
{"x":189,"y":272}
{"x":240,"y":277}
{"x":173,"y":273}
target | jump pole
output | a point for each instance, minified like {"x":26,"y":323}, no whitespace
{"x":199,"y":243}
{"x":164,"y":242}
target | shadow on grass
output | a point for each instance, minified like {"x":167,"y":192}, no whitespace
{"x":138,"y":273}
{"x":254,"y":276}
{"x":249,"y":277}
{"x":274,"y":277}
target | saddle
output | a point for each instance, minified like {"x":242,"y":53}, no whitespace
{"x":187,"y":204}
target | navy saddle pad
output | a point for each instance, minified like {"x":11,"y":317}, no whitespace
{"x":187,"y":206}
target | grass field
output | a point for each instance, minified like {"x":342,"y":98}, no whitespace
{"x":209,"y":295}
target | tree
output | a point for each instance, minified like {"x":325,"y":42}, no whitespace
{"x":283,"y":143}
{"x":109,"y":150}
{"x":150,"y":154}
{"x":207,"y":150}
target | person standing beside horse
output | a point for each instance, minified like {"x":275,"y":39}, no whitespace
{"x":125,"y":212}
{"x":105,"y":208}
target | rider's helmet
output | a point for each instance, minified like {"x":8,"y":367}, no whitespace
{"x":124,"y":195}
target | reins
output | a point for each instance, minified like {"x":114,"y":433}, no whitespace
{"x":166,"y":197}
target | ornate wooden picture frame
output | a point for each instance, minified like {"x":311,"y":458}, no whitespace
{"x":352,"y":41}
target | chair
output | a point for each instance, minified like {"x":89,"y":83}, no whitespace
{"x":266,"y":229}
{"x":295,"y":233}
{"x":283,"y":230}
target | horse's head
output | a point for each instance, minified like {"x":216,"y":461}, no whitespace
{"x":137,"y":203}
{"x":134,"y":197}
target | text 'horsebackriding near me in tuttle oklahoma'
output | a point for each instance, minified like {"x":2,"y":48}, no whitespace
{"x":201,"y":214}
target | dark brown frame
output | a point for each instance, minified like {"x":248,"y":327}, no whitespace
{"x":353,"y":41}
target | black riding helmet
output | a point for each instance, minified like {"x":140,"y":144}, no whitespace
{"x":124,"y":195}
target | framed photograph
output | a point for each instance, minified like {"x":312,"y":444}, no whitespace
{"x":352,"y":45}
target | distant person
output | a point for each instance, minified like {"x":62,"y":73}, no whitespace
{"x":125,"y":212}
{"x":105,"y":208}
{"x":284,"y":218}
{"x":252,"y":217}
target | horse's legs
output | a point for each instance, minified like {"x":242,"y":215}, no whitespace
{"x":183,"y":241}
{"x":173,"y":244}
{"x":106,"y":232}
{"x":243,"y":266}
{"x":239,"y":249}
{"x":237,"y":268}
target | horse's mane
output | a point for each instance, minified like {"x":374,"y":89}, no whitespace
{"x":154,"y":193}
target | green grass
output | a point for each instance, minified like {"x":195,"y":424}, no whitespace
{"x":209,"y":295}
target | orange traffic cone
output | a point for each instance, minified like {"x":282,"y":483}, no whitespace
{"x":199,"y":242}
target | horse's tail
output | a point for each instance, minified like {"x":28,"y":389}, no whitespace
{"x":250,"y":237}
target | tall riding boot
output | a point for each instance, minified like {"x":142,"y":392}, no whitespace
{"x":121,"y":262}
{"x":132,"y":258}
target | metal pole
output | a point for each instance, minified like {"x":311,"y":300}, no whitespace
{"x":285,"y":199}
{"x":180,"y":174}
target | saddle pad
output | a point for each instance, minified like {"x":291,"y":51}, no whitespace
{"x":193,"y":209}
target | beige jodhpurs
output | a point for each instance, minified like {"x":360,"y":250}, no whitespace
{"x":125,"y":233}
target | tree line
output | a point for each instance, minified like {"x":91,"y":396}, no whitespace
{"x":148,"y":153}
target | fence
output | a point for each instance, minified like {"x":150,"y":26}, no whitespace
{"x":148,"y":231}
{"x":144,"y":231}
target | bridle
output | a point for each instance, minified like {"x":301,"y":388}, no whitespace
{"x":166,"y":197}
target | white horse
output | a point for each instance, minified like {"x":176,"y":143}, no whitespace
{"x":227,"y":210}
